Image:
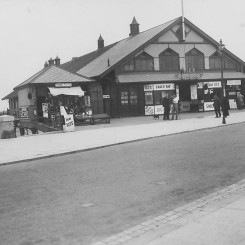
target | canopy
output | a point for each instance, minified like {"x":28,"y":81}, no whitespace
{"x":67,"y":91}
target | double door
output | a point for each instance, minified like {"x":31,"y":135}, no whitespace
{"x":129,"y":101}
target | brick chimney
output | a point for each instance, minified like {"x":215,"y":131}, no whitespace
{"x":57,"y":61}
{"x":51,"y":62}
{"x":134,"y":28}
{"x":100,"y":42}
{"x":45,"y":64}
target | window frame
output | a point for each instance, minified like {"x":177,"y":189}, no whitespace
{"x":174,"y":58}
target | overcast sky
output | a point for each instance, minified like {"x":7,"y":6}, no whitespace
{"x":33,"y":31}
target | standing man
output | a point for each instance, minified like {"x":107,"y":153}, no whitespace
{"x":240,"y":102}
{"x":166,"y":106}
{"x":217,"y":104}
{"x":175,"y":110}
{"x":225,"y":106}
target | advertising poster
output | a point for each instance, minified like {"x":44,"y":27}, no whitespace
{"x":24,"y":112}
{"x":45,"y":109}
{"x":208,"y":106}
{"x":69,"y":123}
{"x":149,"y":110}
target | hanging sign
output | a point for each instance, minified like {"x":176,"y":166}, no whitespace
{"x":164,"y":86}
{"x":213,"y":84}
{"x":148,"y":87}
{"x":63,"y":85}
{"x":234,"y":82}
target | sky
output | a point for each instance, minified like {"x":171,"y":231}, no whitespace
{"x":33,"y":31}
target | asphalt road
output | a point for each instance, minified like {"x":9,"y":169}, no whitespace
{"x":85,"y":197}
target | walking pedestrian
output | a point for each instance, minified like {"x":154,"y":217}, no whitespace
{"x":240,"y":101}
{"x":175,"y":110}
{"x":166,"y":106}
{"x":217,"y":104}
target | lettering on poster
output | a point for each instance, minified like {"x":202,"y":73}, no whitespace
{"x":159,"y":110}
{"x":213,"y":84}
{"x":208,"y":106}
{"x":69,"y":123}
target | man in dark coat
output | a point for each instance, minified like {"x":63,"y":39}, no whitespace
{"x":217,"y":104}
{"x":166,"y":106}
{"x":225,"y":106}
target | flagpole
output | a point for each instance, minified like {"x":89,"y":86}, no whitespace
{"x":183,"y":19}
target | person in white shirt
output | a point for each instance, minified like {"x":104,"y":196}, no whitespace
{"x":175,"y":110}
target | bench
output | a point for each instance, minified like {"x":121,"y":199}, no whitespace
{"x":100,"y":117}
{"x":92,"y":119}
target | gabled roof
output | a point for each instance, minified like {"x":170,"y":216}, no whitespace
{"x":121,"y":50}
{"x":13,"y":94}
{"x":101,"y":62}
{"x":78,"y":62}
{"x":96,"y":63}
{"x":54,"y":74}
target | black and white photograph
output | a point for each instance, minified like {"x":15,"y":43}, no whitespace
{"x":122,"y":122}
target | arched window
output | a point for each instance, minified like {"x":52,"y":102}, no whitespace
{"x":194,"y":59}
{"x":229,"y":64}
{"x":169,"y":60}
{"x":215,"y":62}
{"x":144,"y":62}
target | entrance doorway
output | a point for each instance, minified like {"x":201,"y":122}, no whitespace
{"x":129,"y":101}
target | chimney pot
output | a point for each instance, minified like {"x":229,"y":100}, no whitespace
{"x":57,"y":61}
{"x":45,"y":64}
{"x":100,"y":42}
{"x":51,"y":62}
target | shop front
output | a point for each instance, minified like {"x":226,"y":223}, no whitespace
{"x":153,"y":97}
{"x":233,"y":87}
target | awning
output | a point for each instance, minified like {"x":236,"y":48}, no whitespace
{"x":66,"y":91}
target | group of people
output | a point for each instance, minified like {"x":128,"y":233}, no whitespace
{"x":221,"y":104}
{"x":170,"y":105}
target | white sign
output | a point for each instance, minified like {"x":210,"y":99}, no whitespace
{"x":106,"y":96}
{"x":233,"y":104}
{"x":149,"y":110}
{"x":194,"y":92}
{"x":69,"y":123}
{"x":213,"y":84}
{"x":159,"y":110}
{"x":62,"y":85}
{"x":234,"y":82}
{"x":148,"y":87}
{"x":45,"y":109}
{"x":208,"y":106}
{"x":164,"y":86}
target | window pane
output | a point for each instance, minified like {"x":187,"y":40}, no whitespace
{"x":148,"y":98}
{"x":157,"y":97}
{"x":124,"y":98}
{"x":229,"y":65}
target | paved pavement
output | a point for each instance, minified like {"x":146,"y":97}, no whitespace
{"x":218,"y":218}
{"x":117,"y":132}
